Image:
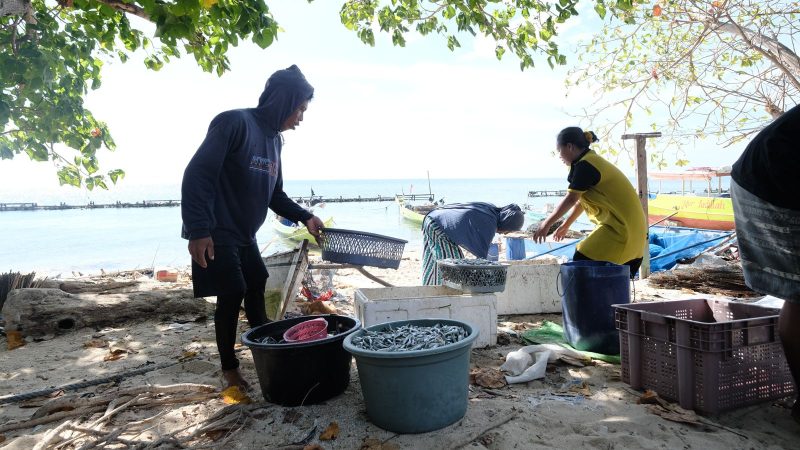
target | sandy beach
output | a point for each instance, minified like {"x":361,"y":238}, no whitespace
{"x":572,"y":407}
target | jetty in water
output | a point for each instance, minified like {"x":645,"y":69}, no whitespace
{"x":557,"y":193}
{"x":310,"y":200}
{"x":90,"y":205}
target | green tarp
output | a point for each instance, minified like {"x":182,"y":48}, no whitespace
{"x":552,"y":333}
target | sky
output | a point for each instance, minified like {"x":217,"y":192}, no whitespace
{"x":378,"y":112}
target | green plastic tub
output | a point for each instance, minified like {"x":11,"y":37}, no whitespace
{"x":415,"y":391}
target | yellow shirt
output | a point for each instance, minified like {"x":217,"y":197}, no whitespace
{"x":613,"y":205}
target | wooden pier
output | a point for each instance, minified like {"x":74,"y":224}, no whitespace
{"x":90,"y":205}
{"x":559,"y":193}
{"x":167,"y":203}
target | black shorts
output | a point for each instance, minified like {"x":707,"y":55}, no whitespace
{"x":234,"y":269}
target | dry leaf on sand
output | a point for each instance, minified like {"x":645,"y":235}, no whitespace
{"x":96,"y":343}
{"x":313,"y":447}
{"x":233,"y":395}
{"x":115,"y":353}
{"x":15,"y":339}
{"x":488,"y":378}
{"x":330,"y":433}
{"x":377,"y":444}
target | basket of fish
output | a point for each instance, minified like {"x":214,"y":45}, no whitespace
{"x":473,"y":275}
{"x":414,"y":374}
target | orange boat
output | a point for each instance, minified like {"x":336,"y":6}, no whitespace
{"x":713,"y":211}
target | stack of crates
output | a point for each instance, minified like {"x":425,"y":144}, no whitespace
{"x":708,"y":355}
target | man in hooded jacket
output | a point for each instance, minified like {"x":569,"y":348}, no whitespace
{"x":229,"y":184}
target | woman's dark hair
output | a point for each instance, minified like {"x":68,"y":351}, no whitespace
{"x":577,"y":137}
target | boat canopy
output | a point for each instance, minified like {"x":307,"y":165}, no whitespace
{"x":697,"y":173}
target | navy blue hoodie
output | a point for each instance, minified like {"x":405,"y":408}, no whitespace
{"x":473,"y":225}
{"x":236,"y":175}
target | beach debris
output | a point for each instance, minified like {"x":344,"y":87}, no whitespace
{"x":321,"y":307}
{"x":576,"y":386}
{"x":234,"y":395}
{"x":330,"y":433}
{"x":115,"y":353}
{"x":530,"y":362}
{"x":14,"y":339}
{"x":719,"y":280}
{"x":409,"y":338}
{"x":96,"y":343}
{"x":15,"y":280}
{"x":669,"y":411}
{"x":377,"y":444}
{"x":488,"y":378}
{"x":292,"y":416}
{"x":110,"y":404}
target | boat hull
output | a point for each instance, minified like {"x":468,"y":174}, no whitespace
{"x":711,"y":213}
{"x":297,"y":233}
{"x":409,"y":214}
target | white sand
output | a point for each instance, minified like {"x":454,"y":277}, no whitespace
{"x":527,"y":416}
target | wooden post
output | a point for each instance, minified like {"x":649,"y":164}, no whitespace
{"x":641,"y":178}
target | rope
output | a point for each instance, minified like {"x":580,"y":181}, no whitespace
{"x":74,"y":386}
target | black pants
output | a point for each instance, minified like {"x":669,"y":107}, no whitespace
{"x":236,"y":273}
{"x":633,"y":264}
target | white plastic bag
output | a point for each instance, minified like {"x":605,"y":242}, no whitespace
{"x":530,"y":362}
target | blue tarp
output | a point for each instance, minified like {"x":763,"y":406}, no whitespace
{"x":667,"y":245}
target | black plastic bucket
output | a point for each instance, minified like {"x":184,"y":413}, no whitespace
{"x":589,"y":290}
{"x":291,"y":374}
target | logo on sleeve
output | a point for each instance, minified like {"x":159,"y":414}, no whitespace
{"x":261,"y":164}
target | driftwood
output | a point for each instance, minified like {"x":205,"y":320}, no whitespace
{"x":37,"y":312}
{"x":92,"y":433}
{"x":725,"y":280}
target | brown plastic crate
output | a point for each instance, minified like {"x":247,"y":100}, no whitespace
{"x":709,"y":355}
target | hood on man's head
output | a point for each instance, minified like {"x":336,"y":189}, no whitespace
{"x":511,"y":218}
{"x":285,"y":90}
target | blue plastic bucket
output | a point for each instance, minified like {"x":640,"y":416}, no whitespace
{"x":515,"y":248}
{"x":589,"y":288}
{"x":494,"y":252}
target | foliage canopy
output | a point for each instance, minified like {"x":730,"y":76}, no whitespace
{"x":719,"y":68}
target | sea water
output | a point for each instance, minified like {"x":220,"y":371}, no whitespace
{"x":89,"y":240}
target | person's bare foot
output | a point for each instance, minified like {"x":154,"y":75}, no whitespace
{"x":233,"y":377}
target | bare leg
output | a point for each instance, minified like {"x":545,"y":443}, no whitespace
{"x":788,"y":324}
{"x":233,"y":377}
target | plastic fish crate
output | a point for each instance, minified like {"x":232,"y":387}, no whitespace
{"x":473,"y":275}
{"x":708,"y":355}
{"x":361,"y":248}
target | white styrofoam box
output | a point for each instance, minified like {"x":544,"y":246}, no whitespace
{"x":530,"y":287}
{"x":379,"y":305}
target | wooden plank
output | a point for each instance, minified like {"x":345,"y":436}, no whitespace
{"x":641,"y":181}
{"x":295,"y":278}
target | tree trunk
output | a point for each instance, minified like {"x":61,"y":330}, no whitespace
{"x":38,"y":312}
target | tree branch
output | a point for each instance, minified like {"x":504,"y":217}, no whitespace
{"x":126,"y":7}
{"x":773,"y":51}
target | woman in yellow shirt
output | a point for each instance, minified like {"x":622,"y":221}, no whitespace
{"x":601,"y":190}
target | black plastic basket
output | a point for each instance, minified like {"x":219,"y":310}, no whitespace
{"x":478,"y":276}
{"x":361,"y":248}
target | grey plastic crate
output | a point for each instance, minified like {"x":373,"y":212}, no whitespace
{"x":709,"y":355}
{"x":471,"y":275}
